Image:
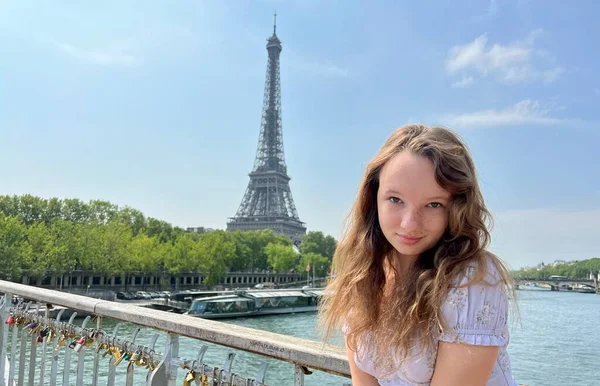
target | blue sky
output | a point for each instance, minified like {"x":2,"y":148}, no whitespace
{"x":157,"y":105}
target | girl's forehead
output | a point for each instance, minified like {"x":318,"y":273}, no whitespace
{"x":411,"y":175}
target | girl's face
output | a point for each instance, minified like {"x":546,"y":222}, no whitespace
{"x":411,"y":206}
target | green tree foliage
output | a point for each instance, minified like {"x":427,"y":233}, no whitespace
{"x":36,"y":251}
{"x":316,"y":242}
{"x":216,"y":251}
{"x":281,"y":257}
{"x":12,"y":241}
{"x":319,"y":263}
{"x":578,"y":270}
{"x":53,"y":236}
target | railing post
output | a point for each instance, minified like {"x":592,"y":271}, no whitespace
{"x":130,"y":366}
{"x":67,"y":368}
{"x":13,"y":356}
{"x":55,"y":349}
{"x":112,"y":371}
{"x":33,"y":352}
{"x":81,"y":355}
{"x":4,"y":307}
{"x":44,"y":345}
{"x":96,"y":355}
{"x":171,"y":352}
{"x":299,"y":376}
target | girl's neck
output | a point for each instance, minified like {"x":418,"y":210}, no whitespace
{"x":398,"y":265}
{"x":395,"y":268}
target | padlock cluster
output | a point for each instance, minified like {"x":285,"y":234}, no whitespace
{"x":204,"y":374}
{"x":69,"y":337}
{"x":64,"y":334}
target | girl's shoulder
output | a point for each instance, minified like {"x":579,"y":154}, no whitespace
{"x":475,"y":310}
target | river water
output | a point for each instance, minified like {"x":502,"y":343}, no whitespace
{"x":554,"y":341}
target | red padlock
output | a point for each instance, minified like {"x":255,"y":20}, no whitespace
{"x":40,"y":339}
{"x":10,"y":320}
{"x":79,"y":344}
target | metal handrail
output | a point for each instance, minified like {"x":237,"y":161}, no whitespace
{"x":301,"y":352}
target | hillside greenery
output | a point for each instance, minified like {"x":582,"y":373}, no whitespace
{"x":577,"y":270}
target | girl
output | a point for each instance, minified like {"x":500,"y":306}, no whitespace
{"x":420,"y":300}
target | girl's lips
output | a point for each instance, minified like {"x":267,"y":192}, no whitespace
{"x":409,"y":240}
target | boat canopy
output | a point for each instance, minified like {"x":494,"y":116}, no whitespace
{"x":277,"y":294}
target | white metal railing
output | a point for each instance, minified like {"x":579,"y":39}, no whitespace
{"x":27,"y":330}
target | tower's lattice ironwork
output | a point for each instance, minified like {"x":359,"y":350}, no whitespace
{"x":268,"y":202}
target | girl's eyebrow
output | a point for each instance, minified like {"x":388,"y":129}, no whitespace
{"x":392,"y":191}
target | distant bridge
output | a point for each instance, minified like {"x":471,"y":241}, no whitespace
{"x":561,"y":282}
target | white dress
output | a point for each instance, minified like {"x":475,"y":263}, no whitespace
{"x":477,"y":315}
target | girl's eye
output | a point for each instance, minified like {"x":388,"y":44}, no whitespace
{"x":435,"y":205}
{"x":395,"y":200}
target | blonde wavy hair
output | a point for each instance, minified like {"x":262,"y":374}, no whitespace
{"x":362,"y":261}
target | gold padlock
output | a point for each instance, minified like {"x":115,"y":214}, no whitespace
{"x":119,"y":355}
{"x":152,"y":365}
{"x":189,"y":378}
{"x":142,"y":361}
{"x":204,"y":380}
{"x":135,"y":356}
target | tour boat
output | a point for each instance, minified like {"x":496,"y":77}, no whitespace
{"x":255,"y":303}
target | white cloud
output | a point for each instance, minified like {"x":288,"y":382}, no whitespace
{"x":550,"y":75}
{"x":321,"y":68}
{"x":329,"y":68}
{"x":511,"y":63}
{"x":316,"y":67}
{"x":528,"y":237}
{"x":463,"y":83}
{"x":526,"y":112}
{"x":116,"y":57}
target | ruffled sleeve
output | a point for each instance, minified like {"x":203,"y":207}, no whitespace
{"x":477,"y":314}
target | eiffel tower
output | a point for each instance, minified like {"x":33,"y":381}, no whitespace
{"x":268,"y":202}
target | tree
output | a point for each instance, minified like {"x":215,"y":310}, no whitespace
{"x":181,"y":257}
{"x":53,"y":212}
{"x":102,"y":212}
{"x":216,"y":251}
{"x":90,"y":239}
{"x":132,"y":217}
{"x":65,"y":248}
{"x":9,"y":206}
{"x":75,"y":210}
{"x":143,"y":251}
{"x":281,"y":257}
{"x":12,"y":239}
{"x":161,"y":229}
{"x":31,"y":209}
{"x":316,"y":242}
{"x":114,"y":255}
{"x":242,"y":259}
{"x":36,"y":250}
{"x":319,"y":263}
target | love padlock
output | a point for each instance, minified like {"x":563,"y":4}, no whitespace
{"x":10,"y":320}
{"x":40,"y":339}
{"x":44,"y":332}
{"x":79,"y":344}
